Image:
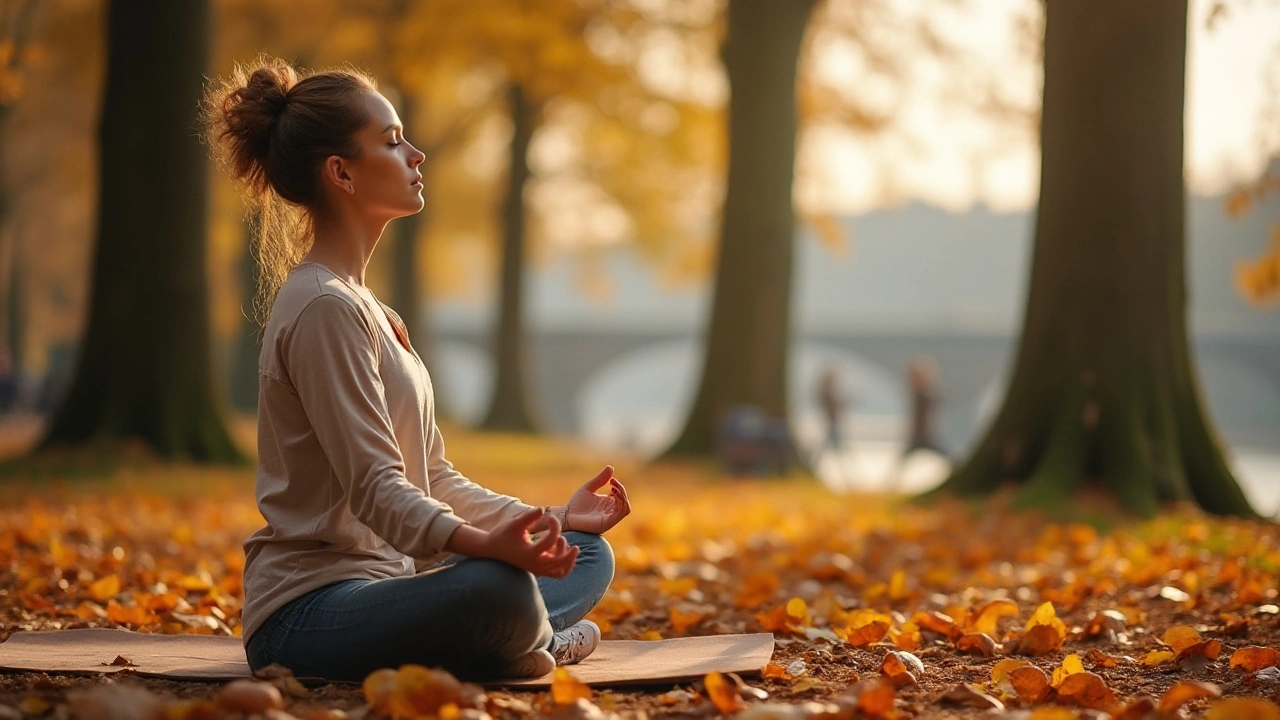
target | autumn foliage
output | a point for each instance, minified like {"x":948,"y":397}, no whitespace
{"x":880,"y":610}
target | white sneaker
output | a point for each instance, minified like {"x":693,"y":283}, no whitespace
{"x":534,"y":664}
{"x":575,"y":642}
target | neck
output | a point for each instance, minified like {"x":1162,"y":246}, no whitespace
{"x":344,"y":242}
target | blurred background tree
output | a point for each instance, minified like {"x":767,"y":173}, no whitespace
{"x":144,"y":368}
{"x":1104,"y":389}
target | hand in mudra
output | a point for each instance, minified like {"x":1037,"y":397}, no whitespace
{"x":532,"y":541}
{"x":590,"y":512}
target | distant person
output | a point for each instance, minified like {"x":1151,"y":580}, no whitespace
{"x":376,"y":552}
{"x":832,"y":402}
{"x":922,"y":389}
{"x":922,"y":383}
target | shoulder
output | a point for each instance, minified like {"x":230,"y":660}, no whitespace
{"x":314,"y":300}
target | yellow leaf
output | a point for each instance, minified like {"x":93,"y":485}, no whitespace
{"x":1157,"y":657}
{"x":1070,"y":665}
{"x":1243,"y":709}
{"x":1180,"y":637}
{"x":567,"y":689}
{"x":105,"y":588}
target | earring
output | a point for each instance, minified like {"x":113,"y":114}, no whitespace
{"x":351,"y":188}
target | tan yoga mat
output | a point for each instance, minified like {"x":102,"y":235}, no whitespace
{"x":207,"y":657}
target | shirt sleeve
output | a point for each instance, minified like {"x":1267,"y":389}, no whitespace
{"x":332,"y":356}
{"x":480,"y":506}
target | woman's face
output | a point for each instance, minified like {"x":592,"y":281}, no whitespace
{"x":384,"y":175}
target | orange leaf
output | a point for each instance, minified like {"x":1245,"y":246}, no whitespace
{"x":774,"y":620}
{"x":876,"y":700}
{"x":682,"y":620}
{"x":1099,"y":658}
{"x":723,"y":693}
{"x":1041,"y":640}
{"x":1253,"y":658}
{"x":1243,"y":709}
{"x":1186,"y":691}
{"x":1157,"y":657}
{"x":423,"y":691}
{"x":1087,"y":690}
{"x":872,"y":632}
{"x":1030,"y":683}
{"x":1180,"y":637}
{"x":937,"y":622}
{"x":990,"y":614}
{"x":567,"y":689}
{"x":977,"y":644}
{"x":901,"y":668}
{"x":774,"y":672}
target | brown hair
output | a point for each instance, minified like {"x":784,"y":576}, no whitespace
{"x":272,"y":126}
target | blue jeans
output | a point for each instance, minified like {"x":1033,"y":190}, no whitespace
{"x":470,"y":616}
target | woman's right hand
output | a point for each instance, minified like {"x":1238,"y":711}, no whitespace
{"x":547,"y":555}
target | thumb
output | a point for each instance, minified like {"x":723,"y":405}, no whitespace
{"x":600,"y":480}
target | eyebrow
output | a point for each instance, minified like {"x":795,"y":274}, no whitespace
{"x":392,"y":126}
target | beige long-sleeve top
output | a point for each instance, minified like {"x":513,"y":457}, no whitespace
{"x":352,"y":478}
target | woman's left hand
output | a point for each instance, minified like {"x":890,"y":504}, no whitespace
{"x":592,"y":513}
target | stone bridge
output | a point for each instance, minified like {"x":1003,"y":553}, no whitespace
{"x":1240,"y":376}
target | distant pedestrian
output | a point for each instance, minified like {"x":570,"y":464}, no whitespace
{"x":832,"y":402}
{"x":922,"y":382}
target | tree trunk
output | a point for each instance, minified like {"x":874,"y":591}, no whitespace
{"x":510,"y":408}
{"x":144,"y":367}
{"x":750,"y":329}
{"x":1104,"y":390}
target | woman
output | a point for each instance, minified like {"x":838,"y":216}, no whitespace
{"x":376,"y":552}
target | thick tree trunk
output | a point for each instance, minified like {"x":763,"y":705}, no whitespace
{"x":746,"y":353}
{"x":1104,"y":390}
{"x":144,"y":367}
{"x":509,"y":409}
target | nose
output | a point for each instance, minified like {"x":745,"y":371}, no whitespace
{"x":417,"y":158}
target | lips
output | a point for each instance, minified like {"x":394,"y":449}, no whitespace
{"x":416,"y":181}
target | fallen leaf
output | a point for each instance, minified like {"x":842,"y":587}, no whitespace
{"x":1186,"y":691}
{"x":567,"y":689}
{"x":423,"y":691}
{"x":1180,"y":637}
{"x":1157,"y":657}
{"x":989,"y":616}
{"x":1001,"y":670}
{"x":1099,"y":659}
{"x":1087,"y":690}
{"x":968,"y":696}
{"x":977,"y":644}
{"x":105,"y":588}
{"x":875,"y":699}
{"x":1070,"y":666}
{"x":937,"y":622}
{"x":116,"y":701}
{"x":862,"y":636}
{"x":1041,"y":640}
{"x":1030,"y":682}
{"x":249,"y":696}
{"x":902,"y":668}
{"x":1253,"y":658}
{"x":774,"y":672}
{"x":1243,"y":709}
{"x":722,"y":693}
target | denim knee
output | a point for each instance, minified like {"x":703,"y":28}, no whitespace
{"x":596,"y":552}
{"x":512,"y":598}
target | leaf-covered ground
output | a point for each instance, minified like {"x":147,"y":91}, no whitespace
{"x":880,"y":608}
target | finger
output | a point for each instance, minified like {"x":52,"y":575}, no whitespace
{"x":549,"y":539}
{"x":619,"y":488}
{"x":526,"y":520}
{"x":600,"y":480}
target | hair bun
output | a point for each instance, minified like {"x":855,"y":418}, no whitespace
{"x":242,"y":114}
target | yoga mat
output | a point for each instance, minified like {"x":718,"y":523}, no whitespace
{"x":208,"y":657}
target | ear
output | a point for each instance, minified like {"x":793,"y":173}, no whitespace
{"x":335,"y":172}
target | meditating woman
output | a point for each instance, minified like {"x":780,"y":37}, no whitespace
{"x":376,"y":552}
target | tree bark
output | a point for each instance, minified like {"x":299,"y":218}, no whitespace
{"x":144,"y":367}
{"x":1104,"y":390}
{"x":745,"y":361}
{"x":510,"y":409}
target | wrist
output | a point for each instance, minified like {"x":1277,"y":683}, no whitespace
{"x":561,"y":513}
{"x":469,"y":540}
